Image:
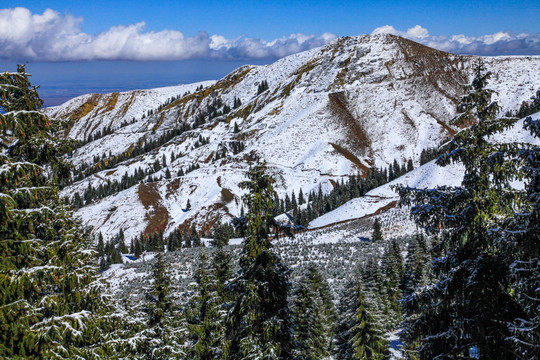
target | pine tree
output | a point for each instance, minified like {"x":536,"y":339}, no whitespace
{"x":468,"y":310}
{"x":377,"y":231}
{"x":260,"y":321}
{"x":164,"y":328}
{"x":221,"y":236}
{"x":51,"y":302}
{"x":205,"y":316}
{"x":314,"y":317}
{"x":310,"y":336}
{"x":521,"y":245}
{"x":358,"y":334}
{"x":394,"y":269}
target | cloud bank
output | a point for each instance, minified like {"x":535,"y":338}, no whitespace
{"x":52,"y":36}
{"x":501,"y":43}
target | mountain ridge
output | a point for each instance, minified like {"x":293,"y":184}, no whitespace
{"x":328,"y":113}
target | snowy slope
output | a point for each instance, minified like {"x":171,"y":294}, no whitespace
{"x":429,"y":175}
{"x":426,"y":176}
{"x":328,"y":113}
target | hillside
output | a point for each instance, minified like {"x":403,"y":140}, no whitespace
{"x":325,"y":115}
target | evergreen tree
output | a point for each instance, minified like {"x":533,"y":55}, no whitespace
{"x":52,"y":304}
{"x":301,"y":199}
{"x":376,"y":293}
{"x":521,"y":245}
{"x":394,"y":269}
{"x":221,"y":236}
{"x":164,"y":329}
{"x":314,"y":317}
{"x":377,"y":231}
{"x":163,"y":161}
{"x":187,"y":239}
{"x":468,"y":310}
{"x":221,"y":269}
{"x":416,"y":264}
{"x":260,"y":321}
{"x":195,"y":239}
{"x":100,"y":246}
{"x":358,"y":334}
{"x":310,"y":335}
{"x":205,"y":316}
{"x":410,"y":165}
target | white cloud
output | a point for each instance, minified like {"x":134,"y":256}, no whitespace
{"x":500,"y":43}
{"x":52,"y":36}
{"x":56,"y":37}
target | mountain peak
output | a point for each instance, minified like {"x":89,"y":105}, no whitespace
{"x":316,"y":117}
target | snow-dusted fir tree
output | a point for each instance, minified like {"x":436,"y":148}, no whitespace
{"x":377,"y":231}
{"x":260,"y":320}
{"x":322,"y":289}
{"x":466,"y":313}
{"x":393,"y":271}
{"x":415,"y":272}
{"x":163,"y":335}
{"x":313,"y":315}
{"x":521,"y":243}
{"x":359,"y":336}
{"x":205,"y":315}
{"x":376,"y":295}
{"x":51,"y":304}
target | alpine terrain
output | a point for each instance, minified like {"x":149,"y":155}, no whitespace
{"x":373,"y":198}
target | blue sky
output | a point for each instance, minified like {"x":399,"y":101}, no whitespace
{"x":272,"y":19}
{"x":73,"y":47}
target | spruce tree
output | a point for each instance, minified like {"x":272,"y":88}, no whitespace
{"x":521,"y":245}
{"x":314,"y":317}
{"x":221,"y":235}
{"x":377,"y":231}
{"x":221,"y":269}
{"x":205,"y":316}
{"x":416,"y":264}
{"x":164,"y":332}
{"x":376,"y":294}
{"x":310,"y":334}
{"x":394,"y":269}
{"x":260,"y":320}
{"x":359,"y":336}
{"x":468,"y":310}
{"x":322,"y":289}
{"x":51,"y":303}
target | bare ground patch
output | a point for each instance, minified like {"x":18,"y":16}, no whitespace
{"x":157,"y":215}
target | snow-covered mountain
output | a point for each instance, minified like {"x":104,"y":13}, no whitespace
{"x":326,"y":114}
